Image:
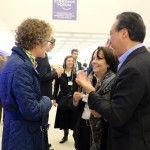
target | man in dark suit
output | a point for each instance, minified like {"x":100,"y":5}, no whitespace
{"x":46,"y":74}
{"x":77,"y":64}
{"x":128,"y":111}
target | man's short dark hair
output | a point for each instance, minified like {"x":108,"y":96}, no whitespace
{"x":74,"y":50}
{"x":53,"y":40}
{"x":133,"y":22}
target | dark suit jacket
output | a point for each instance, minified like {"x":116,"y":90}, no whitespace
{"x":128,"y":112}
{"x":79,"y":65}
{"x":46,"y":76}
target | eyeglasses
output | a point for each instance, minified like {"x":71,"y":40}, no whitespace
{"x":50,"y":42}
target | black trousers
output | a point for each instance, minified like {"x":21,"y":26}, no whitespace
{"x":84,"y":136}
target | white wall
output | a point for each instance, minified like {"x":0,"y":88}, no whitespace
{"x":6,"y":38}
{"x":93,"y":15}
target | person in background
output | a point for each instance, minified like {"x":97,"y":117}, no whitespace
{"x":77,"y":64}
{"x":128,"y":111}
{"x":108,"y":43}
{"x":2,"y":60}
{"x":20,"y":89}
{"x":65,"y":119}
{"x":85,"y":68}
{"x":91,"y":128}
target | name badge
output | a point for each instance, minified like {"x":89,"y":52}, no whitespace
{"x":70,"y":83}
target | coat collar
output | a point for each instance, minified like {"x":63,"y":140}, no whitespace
{"x":24,"y":56}
{"x":21,"y":53}
{"x":134,"y":53}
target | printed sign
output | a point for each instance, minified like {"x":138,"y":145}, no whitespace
{"x":64,"y":9}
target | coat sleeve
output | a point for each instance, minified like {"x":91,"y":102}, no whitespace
{"x":128,"y":92}
{"x":49,"y":76}
{"x":44,"y":70}
{"x":28,"y":102}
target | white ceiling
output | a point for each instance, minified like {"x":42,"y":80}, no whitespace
{"x":86,"y":43}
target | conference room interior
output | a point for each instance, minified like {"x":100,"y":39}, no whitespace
{"x":90,"y":29}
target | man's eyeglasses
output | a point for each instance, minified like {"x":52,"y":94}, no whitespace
{"x":50,"y":42}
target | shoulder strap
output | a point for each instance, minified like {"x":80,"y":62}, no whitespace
{"x":44,"y":127}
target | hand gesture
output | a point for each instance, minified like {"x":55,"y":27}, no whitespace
{"x":59,"y":71}
{"x":84,"y":81}
{"x":77,"y":96}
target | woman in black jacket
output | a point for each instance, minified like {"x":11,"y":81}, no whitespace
{"x":65,"y":119}
{"x":91,"y":128}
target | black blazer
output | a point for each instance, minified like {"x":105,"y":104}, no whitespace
{"x":128,"y":112}
{"x":46,"y":76}
{"x":79,"y":65}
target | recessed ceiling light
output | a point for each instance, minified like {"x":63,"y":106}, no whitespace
{"x":81,"y":35}
{"x":75,"y":39}
{"x":61,"y":34}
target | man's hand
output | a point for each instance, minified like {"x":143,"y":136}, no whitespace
{"x":77,"y":96}
{"x":54,"y":102}
{"x":59,"y":71}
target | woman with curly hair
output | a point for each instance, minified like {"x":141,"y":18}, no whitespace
{"x":20,"y":90}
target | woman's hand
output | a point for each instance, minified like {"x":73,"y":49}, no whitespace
{"x":84,"y":81}
{"x":77,"y":96}
{"x":95,"y":114}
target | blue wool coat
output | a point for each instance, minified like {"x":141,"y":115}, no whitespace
{"x":22,"y":101}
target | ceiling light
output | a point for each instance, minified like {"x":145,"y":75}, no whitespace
{"x":81,"y":35}
{"x":61,"y":34}
{"x":61,"y":39}
{"x":75,"y":39}
{"x":100,"y":35}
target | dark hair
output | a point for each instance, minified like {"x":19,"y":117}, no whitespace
{"x":90,"y":68}
{"x":64,"y":64}
{"x":133,"y":22}
{"x":53,"y":40}
{"x":111,"y":60}
{"x":74,"y":50}
{"x":85,"y":64}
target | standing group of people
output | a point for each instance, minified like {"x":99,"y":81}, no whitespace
{"x":112,"y":114}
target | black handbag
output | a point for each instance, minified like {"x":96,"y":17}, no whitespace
{"x":66,"y":103}
{"x":44,"y":128}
